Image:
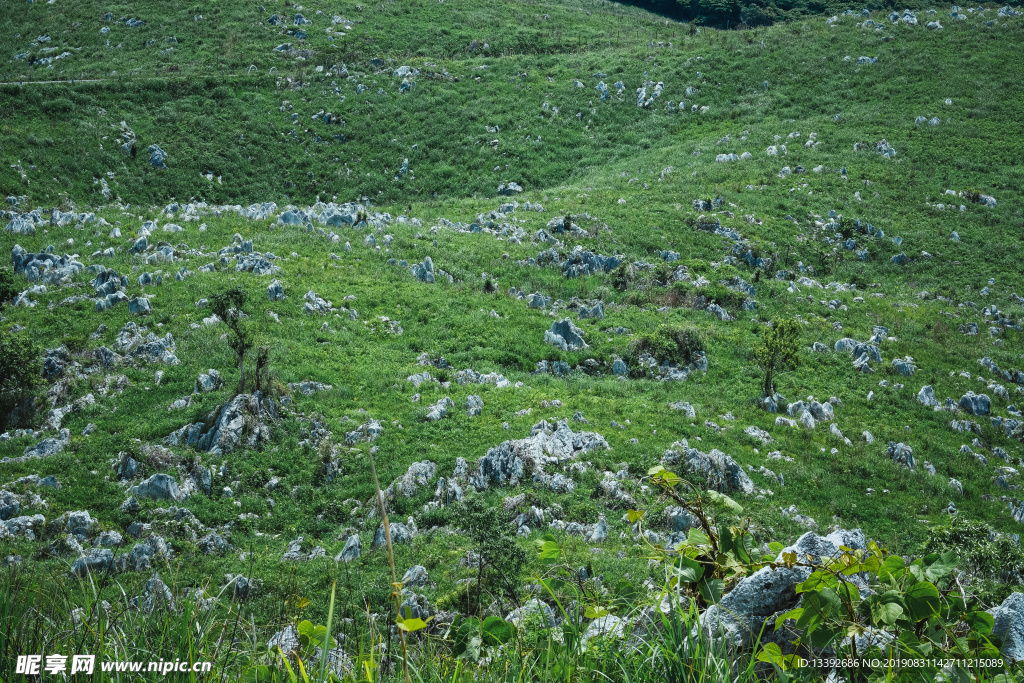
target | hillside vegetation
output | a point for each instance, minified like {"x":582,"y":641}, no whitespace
{"x":525,"y":264}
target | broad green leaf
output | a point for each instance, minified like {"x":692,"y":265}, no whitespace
{"x":548,"y":550}
{"x":893,"y":567}
{"x":711,"y":590}
{"x":817,"y":580}
{"x":469,"y":630}
{"x":822,"y":603}
{"x":497,"y":631}
{"x":770,"y":653}
{"x":981,"y":622}
{"x":697,"y":537}
{"x":258,"y":674}
{"x":471,"y":649}
{"x":724,"y":501}
{"x":794,"y":613}
{"x":923,"y":601}
{"x":411,"y":625}
{"x":305,"y":628}
{"x":941,"y":567}
{"x":595,"y":612}
{"x":635,"y":516}
{"x":689,"y":570}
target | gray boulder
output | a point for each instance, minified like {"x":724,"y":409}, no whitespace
{"x":975,"y":404}
{"x":474,"y":405}
{"x":902,"y":454}
{"x":275,"y":291}
{"x":619,"y":368}
{"x":1009,"y":626}
{"x":48,"y":447}
{"x":400,"y":533}
{"x":533,"y":611}
{"x":419,"y":474}
{"x":508,"y":463}
{"x":904,"y":366}
{"x":157,"y":157}
{"x":416,"y":576}
{"x":352,"y":550}
{"x":565,"y":336}
{"x":440,"y":409}
{"x":926,"y":396}
{"x":158,"y":487}
{"x":753,"y":603}
{"x":719,"y":471}
{"x":95,"y":560}
{"x":207,"y":382}
{"x":213,"y":543}
{"x":683,"y":407}
{"x":599,"y":533}
{"x":242,"y":422}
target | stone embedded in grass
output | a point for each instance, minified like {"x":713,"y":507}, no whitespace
{"x":1009,"y":625}
{"x":295,"y":553}
{"x":750,"y":608}
{"x":275,"y":291}
{"x":157,"y":157}
{"x":905,"y":366}
{"x":532,"y":612}
{"x":926,"y":396}
{"x":439,"y":410}
{"x":308,"y":387}
{"x":95,"y":561}
{"x":418,"y":475}
{"x":353,"y":549}
{"x":424,"y":272}
{"x":141,"y":556}
{"x":158,"y":487}
{"x":474,"y":405}
{"x":719,"y":470}
{"x":416,"y":576}
{"x":509,"y":462}
{"x":369,"y":431}
{"x":975,"y":404}
{"x":45,"y":448}
{"x":400,"y":533}
{"x":565,"y":336}
{"x":207,"y":382}
{"x":78,"y":523}
{"x":759,"y":434}
{"x":901,"y":454}
{"x":20,"y":226}
{"x":242,"y":422}
{"x":213,"y":543}
{"x":139,"y":306}
{"x":315,"y":305}
{"x":684,"y":407}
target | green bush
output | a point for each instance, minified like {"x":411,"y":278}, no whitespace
{"x":7,"y":289}
{"x":994,"y":563}
{"x":21,"y":370}
{"x":671,"y":343}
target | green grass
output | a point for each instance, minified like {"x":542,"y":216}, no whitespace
{"x":231,"y":125}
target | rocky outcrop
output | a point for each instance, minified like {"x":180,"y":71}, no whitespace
{"x":243,"y":422}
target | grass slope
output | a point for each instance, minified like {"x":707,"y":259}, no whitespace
{"x":635,"y":171}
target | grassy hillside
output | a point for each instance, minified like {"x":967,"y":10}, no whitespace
{"x":627,"y":176}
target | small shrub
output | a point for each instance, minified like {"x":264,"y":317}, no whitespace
{"x":778,"y":351}
{"x":7,"y":289}
{"x":672,"y":343}
{"x":21,"y":370}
